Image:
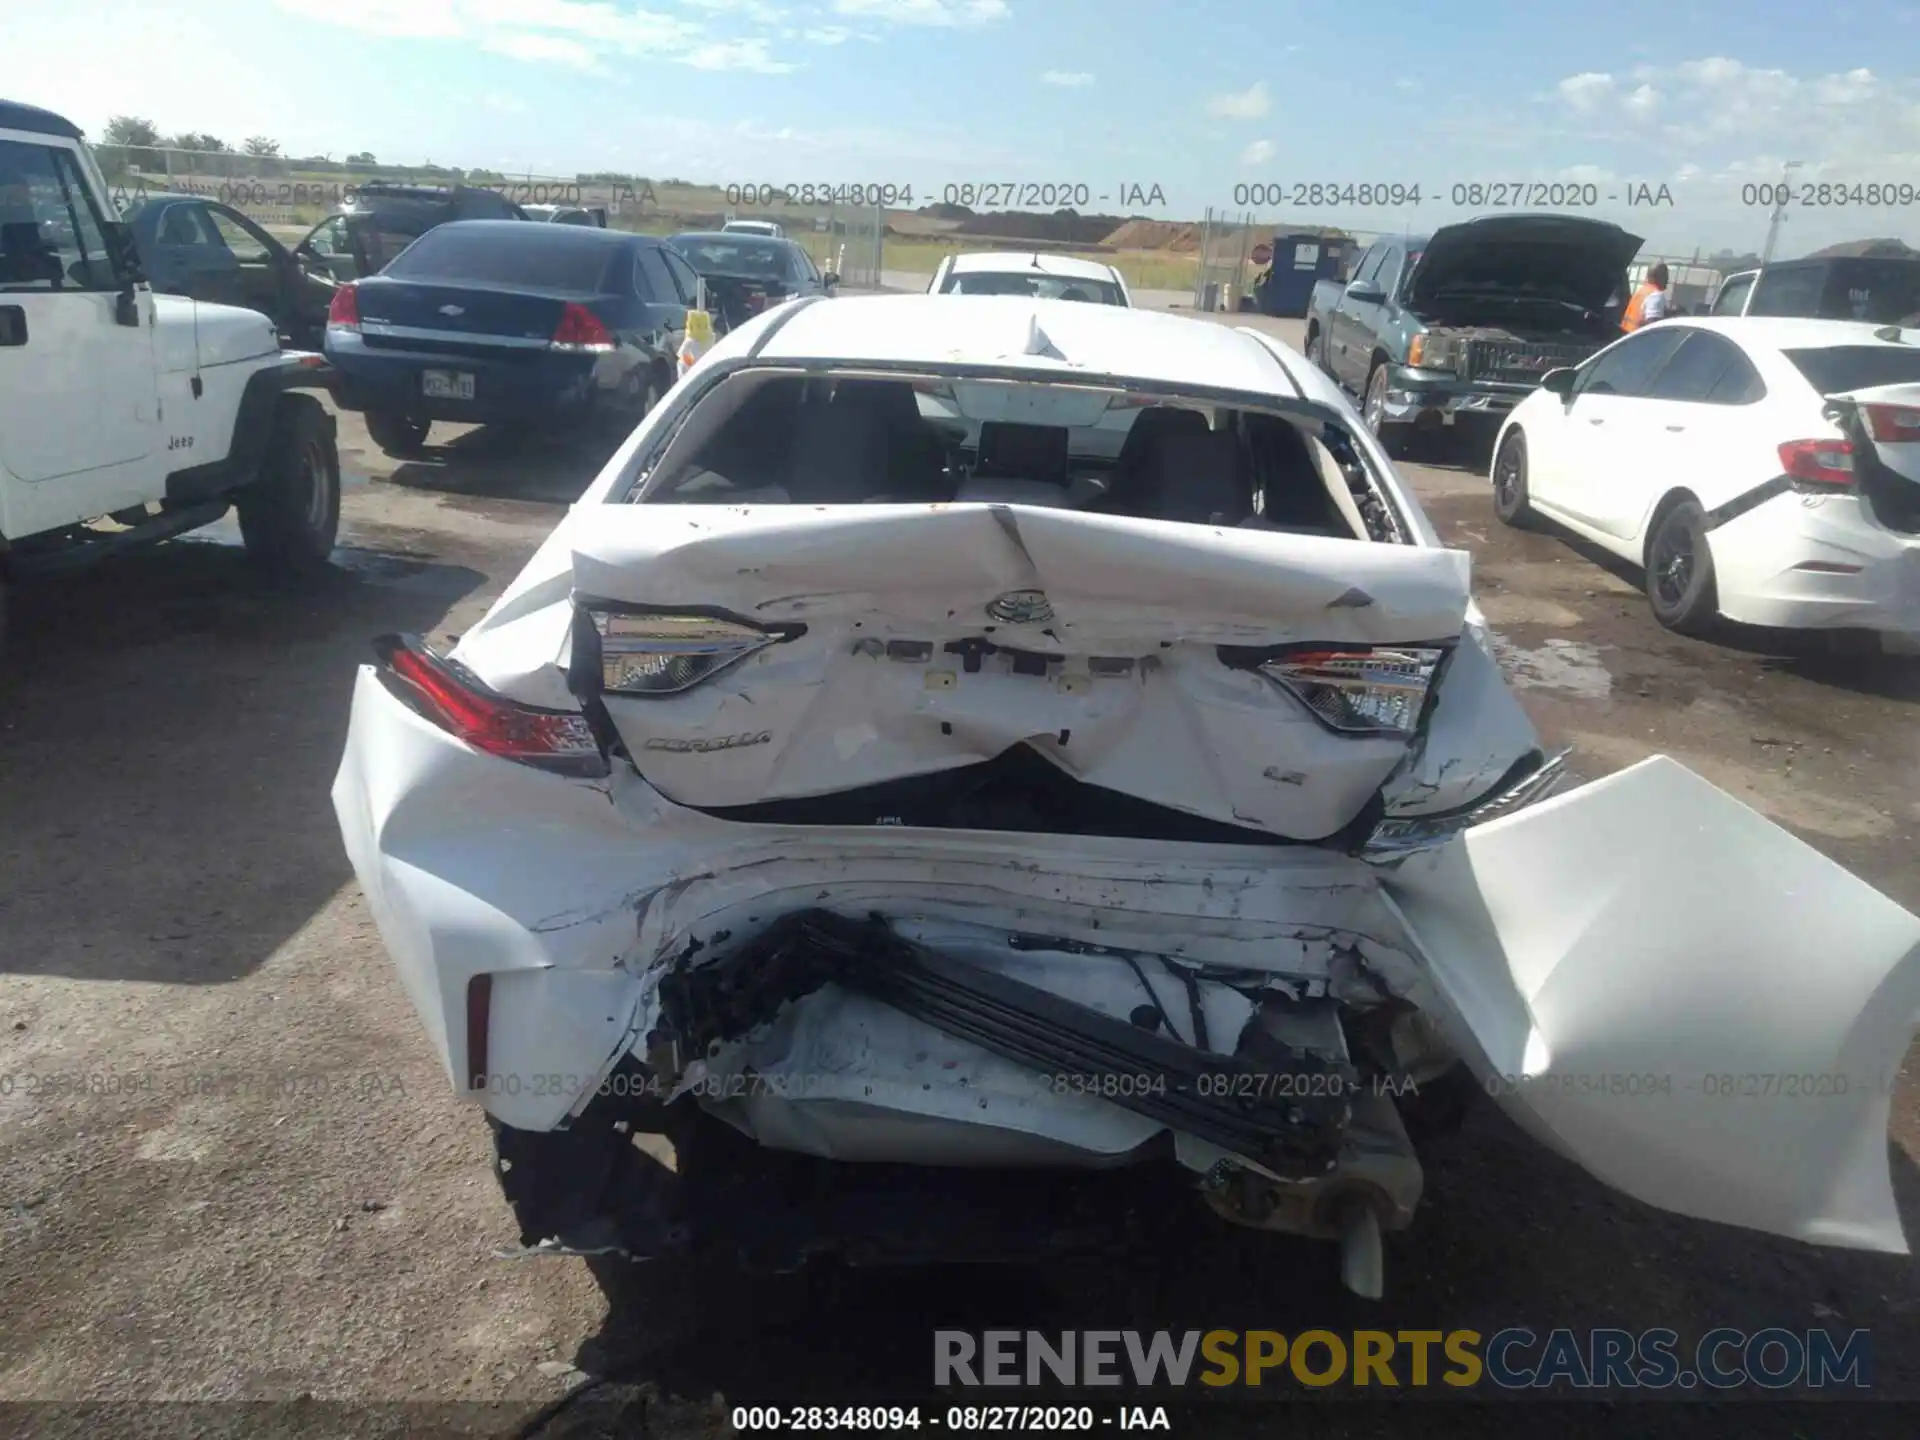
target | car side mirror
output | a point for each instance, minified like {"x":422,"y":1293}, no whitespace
{"x":1559,"y":382}
{"x":830,"y":279}
{"x":1365,"y":294}
{"x":124,"y":249}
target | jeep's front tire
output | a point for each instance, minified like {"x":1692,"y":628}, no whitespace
{"x":398,"y":435}
{"x":290,"y":515}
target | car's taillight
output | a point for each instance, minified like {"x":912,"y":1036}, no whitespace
{"x":1821,"y":464}
{"x":344,"y":311}
{"x":459,"y":703}
{"x":1893,"y":424}
{"x":1380,"y":690}
{"x":666,"y":654}
{"x":580,"y":331}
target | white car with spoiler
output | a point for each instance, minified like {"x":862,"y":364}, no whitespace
{"x":867,"y":780}
{"x":1765,"y":470}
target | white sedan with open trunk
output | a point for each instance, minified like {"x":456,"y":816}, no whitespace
{"x":961,"y":843}
{"x":1765,"y":470}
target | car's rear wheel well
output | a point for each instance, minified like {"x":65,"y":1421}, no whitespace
{"x":1677,"y":496}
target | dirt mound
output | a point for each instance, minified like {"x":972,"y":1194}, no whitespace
{"x":1178,"y":235}
{"x":1062,"y":227}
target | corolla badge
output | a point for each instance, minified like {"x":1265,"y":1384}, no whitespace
{"x":1021,"y":607}
{"x":453,"y":309}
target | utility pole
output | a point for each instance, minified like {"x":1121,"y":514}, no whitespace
{"x":1779,"y":213}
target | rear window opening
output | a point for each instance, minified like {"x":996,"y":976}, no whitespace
{"x":780,"y":437}
{"x":1035,"y":286}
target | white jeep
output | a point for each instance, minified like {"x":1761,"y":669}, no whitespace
{"x":155,"y":412}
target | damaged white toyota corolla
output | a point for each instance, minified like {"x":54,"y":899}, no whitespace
{"x":960,"y":840}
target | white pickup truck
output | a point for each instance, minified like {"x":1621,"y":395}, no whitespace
{"x":128,"y":417}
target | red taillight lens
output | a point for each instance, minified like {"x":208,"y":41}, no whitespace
{"x":344,"y":312}
{"x":1818,"y":462}
{"x":580,"y":330}
{"x":458,"y":703}
{"x":1893,"y":424}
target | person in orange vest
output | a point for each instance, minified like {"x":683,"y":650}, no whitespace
{"x":1649,"y":302}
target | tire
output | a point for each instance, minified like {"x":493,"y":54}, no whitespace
{"x":1679,"y":570}
{"x":397,"y":435}
{"x":1317,"y":351}
{"x":1373,"y":411}
{"x":290,"y":515}
{"x":1510,"y":497}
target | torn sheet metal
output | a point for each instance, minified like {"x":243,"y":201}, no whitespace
{"x":1678,"y":994}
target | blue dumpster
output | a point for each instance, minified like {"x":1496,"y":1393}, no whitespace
{"x":1299,"y":262}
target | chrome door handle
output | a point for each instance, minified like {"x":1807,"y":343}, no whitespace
{"x":1675,"y":429}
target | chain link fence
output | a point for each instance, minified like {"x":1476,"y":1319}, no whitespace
{"x":274,"y":189}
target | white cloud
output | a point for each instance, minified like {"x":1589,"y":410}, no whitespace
{"x":736,"y":55}
{"x":827,"y":35}
{"x":426,"y":20}
{"x":1257,"y":153}
{"x":502,"y":103}
{"x":1073,"y":79}
{"x":1854,"y":114}
{"x":926,"y":12}
{"x":580,"y":34}
{"x":1404,"y":84}
{"x":554,"y":49}
{"x":753,"y":9}
{"x":1585,"y":91}
{"x":631,"y":31}
{"x":1248,"y":104}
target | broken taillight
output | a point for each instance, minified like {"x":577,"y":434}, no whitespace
{"x":452,"y":697}
{"x":659,"y":654}
{"x":1817,"y":464}
{"x":343,"y":312}
{"x":1360,"y":691}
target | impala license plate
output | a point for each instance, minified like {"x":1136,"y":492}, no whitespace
{"x":446,"y":384}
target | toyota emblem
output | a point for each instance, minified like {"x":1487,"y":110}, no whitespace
{"x":1021,"y":607}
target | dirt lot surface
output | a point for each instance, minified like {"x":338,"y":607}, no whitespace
{"x":229,"y":1169}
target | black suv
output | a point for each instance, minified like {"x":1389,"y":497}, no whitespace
{"x":1881,"y":289}
{"x":384,"y":218}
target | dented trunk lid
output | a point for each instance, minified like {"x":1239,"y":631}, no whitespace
{"x":922,"y":639}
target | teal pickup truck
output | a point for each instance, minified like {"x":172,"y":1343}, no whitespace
{"x":1457,"y":327}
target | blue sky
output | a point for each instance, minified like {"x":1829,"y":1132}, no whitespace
{"x":1196,"y":96}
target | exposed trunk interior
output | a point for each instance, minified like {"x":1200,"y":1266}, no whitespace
{"x":1020,"y":791}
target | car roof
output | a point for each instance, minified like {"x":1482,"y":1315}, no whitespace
{"x":1097,"y":342}
{"x":1781,"y":332}
{"x":1001,"y":262}
{"x":32,"y":118}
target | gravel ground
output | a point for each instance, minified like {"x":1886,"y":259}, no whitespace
{"x":255,"y":1186}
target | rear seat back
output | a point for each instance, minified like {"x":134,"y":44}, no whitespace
{"x":1201,"y":479}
